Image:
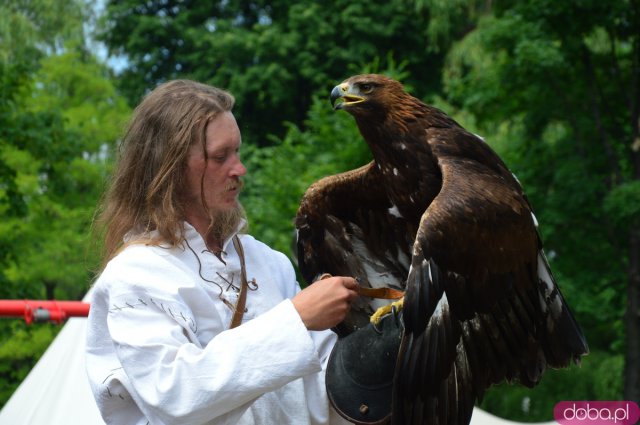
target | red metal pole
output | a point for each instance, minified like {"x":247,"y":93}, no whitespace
{"x":43,"y":311}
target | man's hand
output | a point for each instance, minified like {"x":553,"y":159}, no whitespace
{"x":326,"y":302}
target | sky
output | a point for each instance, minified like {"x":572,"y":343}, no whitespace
{"x":116,"y":62}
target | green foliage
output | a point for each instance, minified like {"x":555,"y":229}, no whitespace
{"x":64,"y":119}
{"x":449,"y":20}
{"x":273,"y":56}
{"x":81,"y":89}
{"x":59,"y":115}
{"x":598,"y":378}
{"x":46,"y":24}
{"x":279,"y":174}
{"x":622,"y":204}
{"x":19,"y":353}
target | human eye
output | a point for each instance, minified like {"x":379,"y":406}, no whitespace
{"x":218,"y":156}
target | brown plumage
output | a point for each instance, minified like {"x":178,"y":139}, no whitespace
{"x":439,"y":214}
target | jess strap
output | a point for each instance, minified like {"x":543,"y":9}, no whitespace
{"x":238,"y":311}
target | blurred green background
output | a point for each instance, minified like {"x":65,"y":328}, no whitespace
{"x":553,"y":86}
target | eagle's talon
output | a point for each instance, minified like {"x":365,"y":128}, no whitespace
{"x":394,"y":308}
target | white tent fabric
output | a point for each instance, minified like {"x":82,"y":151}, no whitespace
{"x":56,"y":391}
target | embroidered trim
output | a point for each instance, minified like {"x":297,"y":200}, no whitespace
{"x":104,"y":382}
{"x":188,"y":320}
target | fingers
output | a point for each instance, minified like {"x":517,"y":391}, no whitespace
{"x":346,"y":289}
{"x":327,"y":302}
{"x":348,"y":282}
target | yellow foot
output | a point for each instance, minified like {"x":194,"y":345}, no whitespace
{"x":386,"y":309}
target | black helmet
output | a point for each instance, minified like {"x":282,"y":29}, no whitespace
{"x":360,"y":372}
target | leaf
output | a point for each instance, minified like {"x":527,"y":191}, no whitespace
{"x":622,"y":204}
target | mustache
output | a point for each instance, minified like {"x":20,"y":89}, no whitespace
{"x":236,"y":184}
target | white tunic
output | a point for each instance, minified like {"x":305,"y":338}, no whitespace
{"x":159,"y":350}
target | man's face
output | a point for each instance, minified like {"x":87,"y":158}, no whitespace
{"x":222,"y":169}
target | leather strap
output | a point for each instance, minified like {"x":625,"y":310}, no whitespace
{"x":238,"y":312}
{"x":382,"y":293}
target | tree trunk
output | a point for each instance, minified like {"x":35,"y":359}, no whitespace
{"x":632,"y":321}
{"x":632,"y":316}
{"x":49,"y":288}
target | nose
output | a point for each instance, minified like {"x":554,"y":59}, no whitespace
{"x":238,"y":169}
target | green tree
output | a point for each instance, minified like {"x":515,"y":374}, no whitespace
{"x":61,"y":174}
{"x":59,"y":114}
{"x":273,"y":56}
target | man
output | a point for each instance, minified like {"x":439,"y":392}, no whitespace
{"x":160,"y":349}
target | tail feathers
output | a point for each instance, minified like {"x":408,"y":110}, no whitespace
{"x":563,"y":340}
{"x":522,"y":335}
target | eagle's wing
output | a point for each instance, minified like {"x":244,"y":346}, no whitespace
{"x":481,"y":305}
{"x":347,"y":226}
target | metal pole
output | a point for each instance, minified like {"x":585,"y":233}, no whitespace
{"x":43,"y":311}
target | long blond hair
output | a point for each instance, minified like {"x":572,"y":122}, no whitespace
{"x":148,"y":180}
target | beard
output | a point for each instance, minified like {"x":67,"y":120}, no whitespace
{"x":223,"y":224}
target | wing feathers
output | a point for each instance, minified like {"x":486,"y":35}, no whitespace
{"x":431,"y":356}
{"x":345,"y":229}
{"x":563,"y":340}
{"x":453,"y":361}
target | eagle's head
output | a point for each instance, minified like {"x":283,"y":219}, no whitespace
{"x":376,"y":100}
{"x":366,"y":92}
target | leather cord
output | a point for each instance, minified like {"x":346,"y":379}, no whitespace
{"x":381,"y":293}
{"x":238,"y":311}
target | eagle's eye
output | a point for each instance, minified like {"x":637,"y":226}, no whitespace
{"x":366,"y":88}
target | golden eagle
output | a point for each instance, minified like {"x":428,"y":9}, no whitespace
{"x":437,"y":214}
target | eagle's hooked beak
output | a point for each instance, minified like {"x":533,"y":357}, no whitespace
{"x":343,"y":91}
